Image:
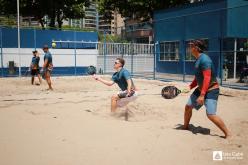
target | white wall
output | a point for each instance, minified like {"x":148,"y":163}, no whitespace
{"x":61,"y":57}
{"x":141,"y":63}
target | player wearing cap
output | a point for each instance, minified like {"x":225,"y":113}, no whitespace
{"x":207,"y":90}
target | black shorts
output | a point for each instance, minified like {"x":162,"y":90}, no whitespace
{"x":35,"y":72}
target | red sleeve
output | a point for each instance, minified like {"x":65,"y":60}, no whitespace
{"x":206,"y":81}
{"x":193,"y":83}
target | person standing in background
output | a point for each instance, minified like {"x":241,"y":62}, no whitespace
{"x":34,"y":67}
{"x":47,"y":66}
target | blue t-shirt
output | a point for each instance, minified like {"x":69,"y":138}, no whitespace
{"x":121,"y":78}
{"x":35,"y":62}
{"x":203,"y":63}
{"x":48,"y":57}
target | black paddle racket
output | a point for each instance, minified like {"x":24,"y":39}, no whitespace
{"x":91,"y":70}
{"x":170,"y":92}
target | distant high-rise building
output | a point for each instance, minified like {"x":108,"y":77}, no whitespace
{"x":94,"y":21}
{"x":113,"y":26}
{"x":90,"y":21}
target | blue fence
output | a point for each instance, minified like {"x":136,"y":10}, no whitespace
{"x":215,"y":22}
{"x":33,"y":38}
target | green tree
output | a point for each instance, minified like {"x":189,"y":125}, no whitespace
{"x":62,"y":9}
{"x":140,"y":9}
{"x":8,"y":7}
{"x":56,"y":10}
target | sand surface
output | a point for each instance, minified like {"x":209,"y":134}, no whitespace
{"x":72,"y":125}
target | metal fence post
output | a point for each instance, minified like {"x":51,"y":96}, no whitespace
{"x":221,"y":47}
{"x":35,"y":39}
{"x":18,"y":37}
{"x":183,"y":57}
{"x":132,"y":53}
{"x":184,"y":49}
{"x":1,"y":44}
{"x":235,"y":59}
{"x":104,"y":53}
{"x":155,"y":59}
{"x":75,"y":54}
{"x":122,"y":50}
{"x":221,"y":62}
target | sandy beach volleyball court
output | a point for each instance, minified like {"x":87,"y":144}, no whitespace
{"x":72,"y":125}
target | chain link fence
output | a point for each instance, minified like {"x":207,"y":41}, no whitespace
{"x":166,"y":60}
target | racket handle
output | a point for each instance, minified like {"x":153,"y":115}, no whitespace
{"x":185,"y":90}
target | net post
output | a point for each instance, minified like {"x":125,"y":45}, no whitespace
{"x":18,"y":36}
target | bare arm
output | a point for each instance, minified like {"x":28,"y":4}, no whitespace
{"x":193,"y":84}
{"x":106,"y":82}
{"x":45,"y":63}
{"x":129,"y":86}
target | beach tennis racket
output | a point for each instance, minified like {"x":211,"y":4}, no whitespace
{"x":170,"y":92}
{"x":91,"y":70}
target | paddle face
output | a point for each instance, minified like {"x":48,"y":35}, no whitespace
{"x":170,"y":92}
{"x":91,"y":70}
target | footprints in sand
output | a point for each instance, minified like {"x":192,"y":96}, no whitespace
{"x":136,"y":112}
{"x":35,"y":113}
{"x":245,"y":122}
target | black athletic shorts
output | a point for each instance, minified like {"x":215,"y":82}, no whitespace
{"x":35,"y":72}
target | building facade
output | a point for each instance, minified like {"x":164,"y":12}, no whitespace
{"x":113,"y":26}
{"x":94,"y":21}
{"x":221,"y":23}
{"x":90,"y":21}
{"x":138,"y":31}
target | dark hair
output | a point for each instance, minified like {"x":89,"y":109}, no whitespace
{"x":199,"y":44}
{"x":35,"y":51}
{"x":45,"y":47}
{"x":121,"y":60}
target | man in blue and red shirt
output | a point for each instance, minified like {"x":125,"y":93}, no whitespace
{"x":207,"y":90}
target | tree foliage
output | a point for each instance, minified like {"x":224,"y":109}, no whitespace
{"x":143,"y":9}
{"x":56,"y":10}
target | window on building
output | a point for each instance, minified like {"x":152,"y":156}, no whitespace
{"x":189,"y":56}
{"x":169,"y":51}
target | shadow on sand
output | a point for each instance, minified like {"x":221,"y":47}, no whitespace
{"x":196,"y":130}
